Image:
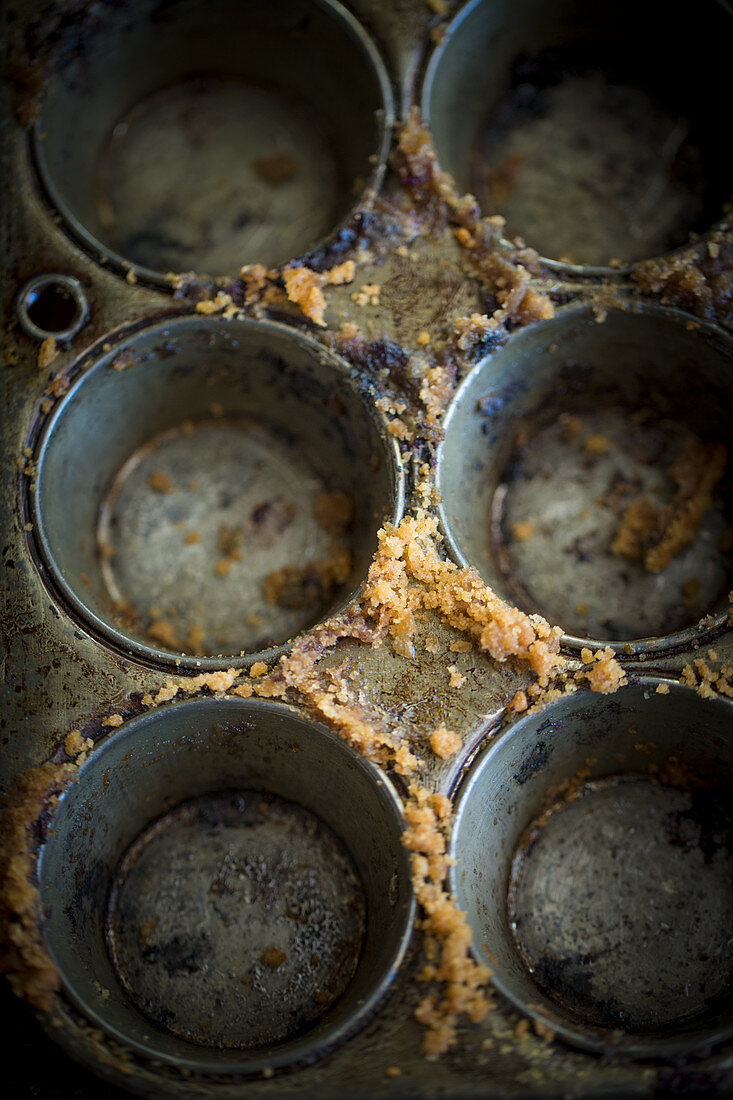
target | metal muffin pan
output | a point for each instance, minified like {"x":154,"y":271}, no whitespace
{"x":201,"y":137}
{"x":592,"y":838}
{"x":598,"y":885}
{"x":315,"y":884}
{"x":580,"y":133}
{"x":206,"y":448}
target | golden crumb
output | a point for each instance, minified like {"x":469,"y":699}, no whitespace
{"x":456,"y":678}
{"x":276,"y":169}
{"x":160,"y":482}
{"x":112,"y":721}
{"x":304,"y":287}
{"x":160,"y":630}
{"x":259,"y":668}
{"x":655,"y":534}
{"x":191,"y":537}
{"x":605,"y":674}
{"x":273,"y":957}
{"x":367,"y":296}
{"x":392,"y":1071}
{"x":596,"y":444}
{"x":47,"y":353}
{"x":341,"y":273}
{"x":444,"y":742}
{"x":222,"y":566}
{"x":518,"y":703}
{"x":216,"y":305}
{"x":523,"y":529}
{"x":662,"y":689}
{"x":423,"y":338}
{"x":334,"y":512}
{"x":75,"y":744}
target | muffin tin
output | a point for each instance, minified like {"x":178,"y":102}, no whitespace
{"x":195,"y":474}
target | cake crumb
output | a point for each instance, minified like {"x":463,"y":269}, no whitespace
{"x":273,"y":957}
{"x":276,"y":169}
{"x":457,"y":679}
{"x":518,"y":703}
{"x":444,"y":742}
{"x":523,"y":529}
{"x":423,"y":338}
{"x":160,"y":482}
{"x":160,"y":630}
{"x":605,"y":674}
{"x":47,"y":353}
{"x":191,"y":537}
{"x":304,"y":287}
{"x":341,"y":273}
{"x":367,"y":296}
{"x":392,"y":1071}
{"x":112,"y":721}
{"x":75,"y":745}
{"x":662,"y":689}
{"x":259,"y":668}
{"x":596,"y":444}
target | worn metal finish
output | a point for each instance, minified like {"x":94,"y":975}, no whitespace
{"x":174,"y":141}
{"x":604,"y":908}
{"x":244,"y":425}
{"x":63,"y":672}
{"x":189,"y":751}
{"x":577,"y":132}
{"x":519,"y":446}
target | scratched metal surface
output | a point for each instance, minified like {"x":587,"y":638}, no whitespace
{"x":59,"y":676}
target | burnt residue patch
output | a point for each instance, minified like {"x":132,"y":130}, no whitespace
{"x":179,"y":955}
{"x":534,"y":763}
{"x":706,"y":824}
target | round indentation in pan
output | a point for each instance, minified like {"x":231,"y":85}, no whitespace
{"x":225,"y":887}
{"x":212,"y":488}
{"x":243,"y":911}
{"x":184,"y":136}
{"x":52,"y":305}
{"x":583,"y":473}
{"x":581,"y":134}
{"x":595,"y":861}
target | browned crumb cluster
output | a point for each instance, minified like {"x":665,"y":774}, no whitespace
{"x":309,"y":585}
{"x":708,"y":680}
{"x":444,"y":742}
{"x":407,"y":574}
{"x":655,"y":534}
{"x":304,"y":287}
{"x":506,"y":272}
{"x":314,"y":583}
{"x":159,"y":482}
{"x":604,"y":674}
{"x":447,"y":935}
{"x":702,"y":284}
{"x":23,"y":956}
{"x":47,"y":353}
{"x":273,"y":957}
